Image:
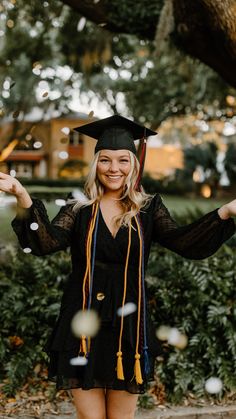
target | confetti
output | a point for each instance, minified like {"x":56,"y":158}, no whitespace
{"x":60,"y":202}
{"x":81,"y":24}
{"x":65,"y":130}
{"x":37,"y":144}
{"x":34,"y":226}
{"x":10,"y":23}
{"x":45,"y":94}
{"x":128,"y":308}
{"x":85,"y":323}
{"x":163,"y":332}
{"x":173,"y":336}
{"x":27,"y":250}
{"x":213,"y":385}
{"x":12,"y":173}
{"x":63,"y":155}
{"x":78,"y":360}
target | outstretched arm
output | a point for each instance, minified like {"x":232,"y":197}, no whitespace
{"x":199,"y":239}
{"x":32,"y":225}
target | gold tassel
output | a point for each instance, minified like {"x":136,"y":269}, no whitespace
{"x":137,"y":370}
{"x":120,"y":372}
{"x":83,"y":344}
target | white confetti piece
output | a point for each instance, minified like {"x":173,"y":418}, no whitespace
{"x":27,"y":250}
{"x":213,"y":385}
{"x":85,"y":323}
{"x":34,"y":226}
{"x":65,"y":130}
{"x":60,"y":202}
{"x":128,"y":308}
{"x":79,"y":360}
{"x":63,"y":155}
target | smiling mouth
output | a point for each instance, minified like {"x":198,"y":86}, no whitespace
{"x":114,"y":177}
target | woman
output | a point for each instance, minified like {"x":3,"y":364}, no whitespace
{"x":110,"y":237}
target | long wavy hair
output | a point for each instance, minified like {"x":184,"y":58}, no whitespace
{"x":132,"y":201}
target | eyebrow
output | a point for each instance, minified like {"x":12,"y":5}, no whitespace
{"x":109,"y":157}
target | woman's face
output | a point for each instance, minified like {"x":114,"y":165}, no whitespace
{"x":112,"y":169}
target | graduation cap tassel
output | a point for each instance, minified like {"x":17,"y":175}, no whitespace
{"x":141,"y":162}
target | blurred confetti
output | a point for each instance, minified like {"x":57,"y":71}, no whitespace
{"x":37,"y":144}
{"x":162,"y":332}
{"x":63,"y":155}
{"x":128,"y":308}
{"x":173,"y":336}
{"x":213,"y":385}
{"x":34,"y":226}
{"x":60,"y":202}
{"x":81,"y":24}
{"x":78,"y":360}
{"x":45,"y":94}
{"x":27,"y":250}
{"x":65,"y":130}
{"x":85,"y":323}
{"x":12,"y":173}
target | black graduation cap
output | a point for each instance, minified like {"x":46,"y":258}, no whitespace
{"x":115,"y":133}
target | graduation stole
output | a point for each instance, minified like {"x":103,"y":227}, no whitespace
{"x":141,"y":314}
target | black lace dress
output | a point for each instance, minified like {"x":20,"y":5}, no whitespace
{"x":195,"y":241}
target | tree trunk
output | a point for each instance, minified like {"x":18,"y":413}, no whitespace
{"x":205,"y":29}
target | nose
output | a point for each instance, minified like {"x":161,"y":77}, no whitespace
{"x":114,"y":166}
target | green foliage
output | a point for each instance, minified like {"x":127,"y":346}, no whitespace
{"x":30,"y":295}
{"x":198,"y":297}
{"x":116,"y":68}
{"x":139,"y":16}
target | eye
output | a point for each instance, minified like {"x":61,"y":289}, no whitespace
{"x":124,"y":161}
{"x":103,"y":160}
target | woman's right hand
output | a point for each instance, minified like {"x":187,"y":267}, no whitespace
{"x":12,"y":186}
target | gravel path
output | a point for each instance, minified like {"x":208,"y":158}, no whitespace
{"x":66,"y":410}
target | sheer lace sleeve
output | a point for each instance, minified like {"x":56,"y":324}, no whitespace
{"x":35,"y":231}
{"x":197,"y":240}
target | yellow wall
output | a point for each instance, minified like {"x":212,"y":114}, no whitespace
{"x":163,"y":160}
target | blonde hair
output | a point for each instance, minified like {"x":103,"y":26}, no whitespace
{"x":131,"y":200}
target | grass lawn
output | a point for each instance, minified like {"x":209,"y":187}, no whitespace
{"x":174,"y":203}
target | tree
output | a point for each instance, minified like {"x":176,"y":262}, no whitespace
{"x":59,"y":53}
{"x":205,"y":29}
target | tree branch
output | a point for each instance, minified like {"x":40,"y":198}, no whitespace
{"x":205,"y":29}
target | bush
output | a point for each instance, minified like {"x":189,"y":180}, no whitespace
{"x":198,"y":297}
{"x":30,"y":292}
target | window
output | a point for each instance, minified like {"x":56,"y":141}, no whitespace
{"x":76,"y":138}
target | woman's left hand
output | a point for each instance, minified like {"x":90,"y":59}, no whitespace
{"x":228,"y":210}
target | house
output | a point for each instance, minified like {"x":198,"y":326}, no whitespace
{"x":51,"y":149}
